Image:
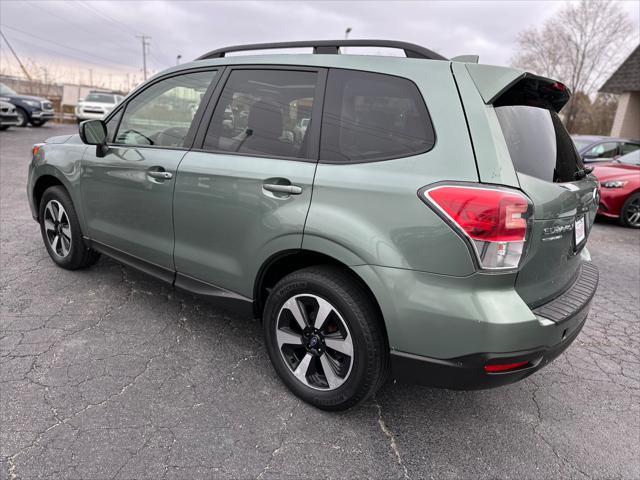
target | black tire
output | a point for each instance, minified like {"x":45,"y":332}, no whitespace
{"x":370,"y":359}
{"x":23,"y":117}
{"x":4,"y":127}
{"x":38,"y":123}
{"x":631,"y":206}
{"x":78,"y":255}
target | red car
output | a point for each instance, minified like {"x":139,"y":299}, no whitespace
{"x":620,"y":189}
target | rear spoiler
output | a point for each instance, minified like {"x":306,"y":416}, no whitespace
{"x":501,"y":86}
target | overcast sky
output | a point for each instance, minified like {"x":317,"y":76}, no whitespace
{"x":71,"y":37}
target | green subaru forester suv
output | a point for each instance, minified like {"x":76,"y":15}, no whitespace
{"x":418,"y":217}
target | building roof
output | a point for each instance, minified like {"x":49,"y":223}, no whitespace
{"x":627,"y":77}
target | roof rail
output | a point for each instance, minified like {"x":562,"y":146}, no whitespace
{"x":330,"y":47}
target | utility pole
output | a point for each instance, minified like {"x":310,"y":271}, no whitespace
{"x":91,"y":77}
{"x":24,"y":70}
{"x":178,"y":59}
{"x":145,"y":43}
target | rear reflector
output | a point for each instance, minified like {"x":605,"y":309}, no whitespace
{"x":495,"y":220}
{"x":504,"y":367}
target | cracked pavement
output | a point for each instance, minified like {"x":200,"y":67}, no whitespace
{"x":108,"y":374}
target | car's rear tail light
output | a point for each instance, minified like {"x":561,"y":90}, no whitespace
{"x":495,"y":220}
{"x":505,"y":367}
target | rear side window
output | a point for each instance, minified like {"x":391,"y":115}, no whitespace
{"x":603,"y":150}
{"x":629,"y":147}
{"x":264,"y":113}
{"x":538,"y":143}
{"x":369,"y":117}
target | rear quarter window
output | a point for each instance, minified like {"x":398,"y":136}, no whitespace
{"x":538,"y":143}
{"x":369,"y":117}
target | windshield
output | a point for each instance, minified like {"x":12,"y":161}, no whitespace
{"x":4,"y":90}
{"x":581,"y":144}
{"x":632,"y":158}
{"x":100,"y":98}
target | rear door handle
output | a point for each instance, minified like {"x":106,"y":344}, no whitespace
{"x":290,"y":189}
{"x":160,"y":174}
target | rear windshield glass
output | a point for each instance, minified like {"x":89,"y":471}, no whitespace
{"x":538,"y":143}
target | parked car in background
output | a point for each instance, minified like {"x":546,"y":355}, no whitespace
{"x":34,"y":110}
{"x":620,"y":189}
{"x":96,"y":105}
{"x":593,"y":148}
{"x":458,"y":263}
{"x":8,"y":115}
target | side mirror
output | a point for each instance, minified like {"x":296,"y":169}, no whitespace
{"x":94,"y":132}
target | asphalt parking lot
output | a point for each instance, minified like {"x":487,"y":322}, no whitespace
{"x":105,"y":373}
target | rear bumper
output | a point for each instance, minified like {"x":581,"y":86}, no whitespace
{"x":467,"y":373}
{"x":563,"y":317}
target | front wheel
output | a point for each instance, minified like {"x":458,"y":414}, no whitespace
{"x":630,"y":215}
{"x":60,"y":231}
{"x":325,"y":337}
{"x":23,"y":118}
{"x":38,"y":123}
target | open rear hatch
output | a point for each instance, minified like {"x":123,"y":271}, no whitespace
{"x":552,"y":175}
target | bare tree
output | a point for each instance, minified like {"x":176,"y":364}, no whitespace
{"x":580,"y":46}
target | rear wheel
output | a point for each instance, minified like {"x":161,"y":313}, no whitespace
{"x":61,"y":233}
{"x":325,"y":337}
{"x":38,"y":123}
{"x":3,"y":127}
{"x":630,"y":215}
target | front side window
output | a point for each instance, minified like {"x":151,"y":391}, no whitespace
{"x":263,"y":112}
{"x":370,"y":116}
{"x":162,"y":114}
{"x":603,"y":150}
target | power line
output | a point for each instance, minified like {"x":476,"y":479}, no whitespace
{"x":15,"y":55}
{"x":91,"y":54}
{"x":57,"y":52}
{"x":76,"y":25}
{"x":106,"y":17}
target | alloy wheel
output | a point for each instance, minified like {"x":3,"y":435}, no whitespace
{"x":632,"y":213}
{"x":315,"y":342}
{"x":57,"y":228}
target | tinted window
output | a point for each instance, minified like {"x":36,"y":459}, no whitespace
{"x":162,"y":114}
{"x":603,"y":150}
{"x":629,"y":147}
{"x":262,"y":111}
{"x":538,"y":143}
{"x":369,"y":116}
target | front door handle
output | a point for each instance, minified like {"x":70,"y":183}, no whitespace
{"x":289,"y":189}
{"x":160,"y":174}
